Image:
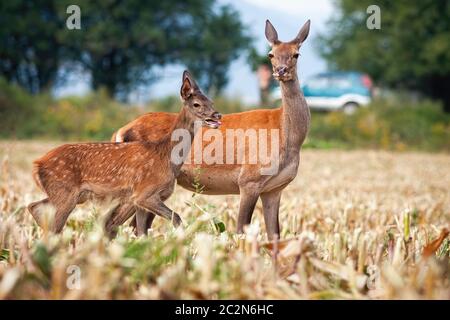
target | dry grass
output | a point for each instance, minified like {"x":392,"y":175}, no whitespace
{"x":356,"y":224}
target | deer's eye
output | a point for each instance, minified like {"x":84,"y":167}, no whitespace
{"x":196,"y":105}
{"x":270,"y":55}
{"x":296,"y":55}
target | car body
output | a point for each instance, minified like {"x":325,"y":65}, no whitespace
{"x":336,"y":91}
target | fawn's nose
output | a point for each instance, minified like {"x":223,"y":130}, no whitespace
{"x":216,"y":115}
{"x":281,"y":70}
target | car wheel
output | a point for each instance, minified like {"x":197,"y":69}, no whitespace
{"x":350,"y":107}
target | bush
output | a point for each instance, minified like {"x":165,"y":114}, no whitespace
{"x":94,"y":116}
{"x":172,"y":104}
{"x":393,"y":124}
{"x":19,"y":112}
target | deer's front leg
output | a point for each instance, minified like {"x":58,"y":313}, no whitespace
{"x":247,"y":204}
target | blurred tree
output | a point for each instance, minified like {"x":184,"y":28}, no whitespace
{"x":29,"y":47}
{"x":262,"y":66}
{"x":411,"y":50}
{"x":119,"y":43}
{"x":121,"y":40}
{"x":221,"y":39}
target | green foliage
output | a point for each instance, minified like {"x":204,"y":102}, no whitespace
{"x":19,"y":111}
{"x":119,"y":42}
{"x":95,"y":116}
{"x":30,"y":48}
{"x":255,"y":59}
{"x":4,"y":254}
{"x":229,"y":105}
{"x":411,"y":50}
{"x":172,"y":104}
{"x":41,"y":257}
{"x":167,"y":104}
{"x":444,"y":249}
{"x":219,"y":225}
{"x":222,"y":39}
{"x":394,"y":123}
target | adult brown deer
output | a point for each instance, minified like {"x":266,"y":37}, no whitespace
{"x":141,"y":175}
{"x":291,"y":120}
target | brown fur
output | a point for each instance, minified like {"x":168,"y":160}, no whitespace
{"x":292,"y":118}
{"x":139,"y":174}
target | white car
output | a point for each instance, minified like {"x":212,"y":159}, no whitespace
{"x":345,"y":91}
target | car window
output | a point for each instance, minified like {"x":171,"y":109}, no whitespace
{"x":318,"y":83}
{"x":340,"y":83}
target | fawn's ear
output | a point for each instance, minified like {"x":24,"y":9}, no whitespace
{"x":302,"y":34}
{"x":188,"y":86}
{"x":271,"y":33}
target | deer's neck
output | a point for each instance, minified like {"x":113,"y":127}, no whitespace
{"x":295,"y":116}
{"x":181,"y":137}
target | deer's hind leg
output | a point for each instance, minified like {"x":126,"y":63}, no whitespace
{"x":63,"y":209}
{"x":62,"y":191}
{"x":143,"y":221}
{"x":64,"y":206}
{"x":33,"y":209}
{"x":271,"y":208}
{"x":146,"y":220}
{"x":249,"y":197}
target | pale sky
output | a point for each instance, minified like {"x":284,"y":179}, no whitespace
{"x":288,"y":16}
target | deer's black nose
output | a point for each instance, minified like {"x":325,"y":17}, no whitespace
{"x":281,"y":70}
{"x":216,"y":115}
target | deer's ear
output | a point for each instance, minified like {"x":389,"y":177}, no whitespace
{"x":186,"y":88}
{"x":271,"y":33}
{"x":188,"y":75}
{"x":303,"y":33}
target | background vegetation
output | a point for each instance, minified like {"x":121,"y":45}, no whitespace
{"x":396,"y":122}
{"x":368,"y":224}
{"x":120,"y":42}
{"x":410,"y":51}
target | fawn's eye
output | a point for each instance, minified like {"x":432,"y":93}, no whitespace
{"x":270,"y":55}
{"x":296,"y":55}
{"x":196,"y":105}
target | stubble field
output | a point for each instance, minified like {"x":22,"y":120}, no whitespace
{"x":355,"y":225}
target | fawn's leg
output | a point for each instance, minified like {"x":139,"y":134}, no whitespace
{"x":149,"y":221}
{"x":133,"y":222}
{"x":247,"y":204}
{"x":143,"y":220}
{"x":121,"y":213}
{"x":63,"y":209}
{"x":33,"y":208}
{"x":271,"y":206}
{"x":156,"y":206}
